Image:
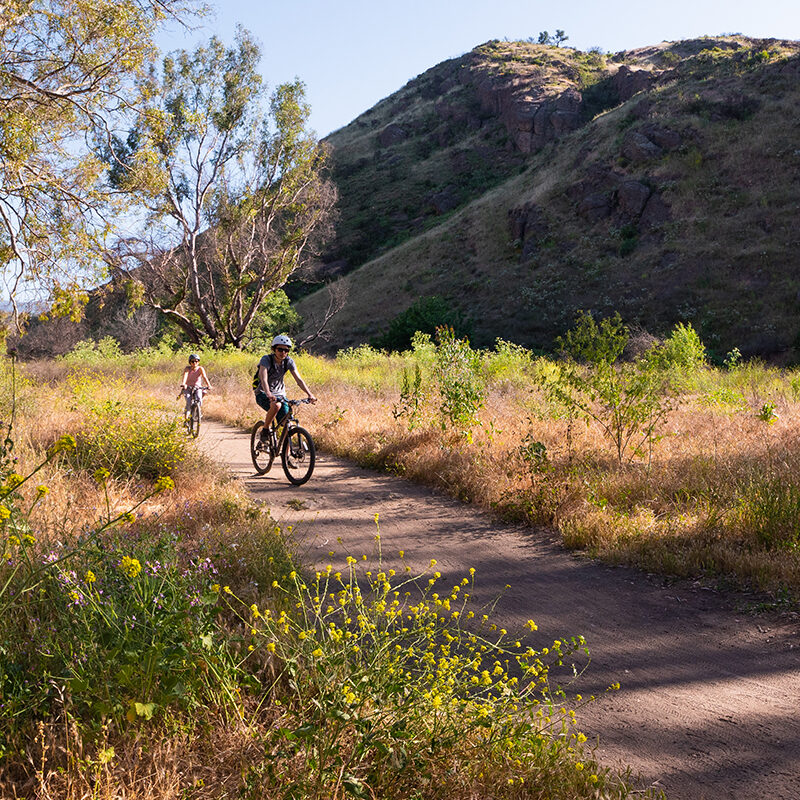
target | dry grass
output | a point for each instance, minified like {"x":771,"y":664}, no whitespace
{"x":688,"y":513}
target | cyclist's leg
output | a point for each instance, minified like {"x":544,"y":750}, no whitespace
{"x":187,"y":394}
{"x":283,"y":410}
{"x":271,"y":409}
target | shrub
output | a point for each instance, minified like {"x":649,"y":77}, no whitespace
{"x":425,"y":315}
{"x":126,"y":439}
{"x":683,"y":349}
{"x":462,"y":391}
{"x":628,"y":400}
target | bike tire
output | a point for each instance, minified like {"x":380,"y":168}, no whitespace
{"x":194,"y":421}
{"x":298,"y":456}
{"x":260,"y":452}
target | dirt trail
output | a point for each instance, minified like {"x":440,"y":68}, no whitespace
{"x":710,"y":699}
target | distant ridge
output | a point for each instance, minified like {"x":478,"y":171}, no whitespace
{"x":523,"y":182}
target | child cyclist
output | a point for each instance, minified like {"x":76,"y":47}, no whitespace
{"x":269,"y":383}
{"x":193,"y":376}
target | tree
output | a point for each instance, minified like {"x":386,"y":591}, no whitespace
{"x":555,"y":39}
{"x":231,"y":187}
{"x":66,"y":70}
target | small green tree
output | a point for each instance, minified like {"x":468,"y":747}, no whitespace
{"x":462,"y":390}
{"x":627,"y":400}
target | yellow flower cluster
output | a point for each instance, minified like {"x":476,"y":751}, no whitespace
{"x":130,"y":566}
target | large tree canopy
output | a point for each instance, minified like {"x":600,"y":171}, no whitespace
{"x":66,"y":68}
{"x":230,"y":182}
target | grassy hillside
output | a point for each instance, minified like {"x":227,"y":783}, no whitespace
{"x":677,"y":204}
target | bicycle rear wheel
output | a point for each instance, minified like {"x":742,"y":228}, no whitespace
{"x":260,"y":451}
{"x":194,"y":421}
{"x":298,"y":456}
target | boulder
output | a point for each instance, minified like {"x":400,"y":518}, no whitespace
{"x":655,"y":213}
{"x":665,"y":138}
{"x":596,"y":205}
{"x":629,"y":82}
{"x":632,"y":197}
{"x":392,"y":134}
{"x":445,"y":200}
{"x":637,"y":148}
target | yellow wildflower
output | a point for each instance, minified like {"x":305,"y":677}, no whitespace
{"x":130,"y":566}
{"x":164,"y":484}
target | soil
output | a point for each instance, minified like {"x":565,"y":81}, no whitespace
{"x":710,"y":699}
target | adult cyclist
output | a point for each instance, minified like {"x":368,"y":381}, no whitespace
{"x":269,"y":382}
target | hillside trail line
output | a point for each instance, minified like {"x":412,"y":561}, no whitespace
{"x":709,"y":707}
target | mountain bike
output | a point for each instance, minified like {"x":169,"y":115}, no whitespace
{"x":293,"y":443}
{"x":195,"y":413}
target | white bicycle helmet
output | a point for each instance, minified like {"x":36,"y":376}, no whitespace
{"x":283,"y":339}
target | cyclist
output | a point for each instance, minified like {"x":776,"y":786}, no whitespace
{"x":268,"y":383}
{"x":193,"y":375}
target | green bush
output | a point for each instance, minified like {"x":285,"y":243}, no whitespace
{"x":458,"y":374}
{"x":120,"y":433}
{"x":683,"y":349}
{"x":425,"y":315}
{"x":627,"y":400}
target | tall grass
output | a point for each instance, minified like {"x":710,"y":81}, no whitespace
{"x":165,"y":644}
{"x":714,"y":496}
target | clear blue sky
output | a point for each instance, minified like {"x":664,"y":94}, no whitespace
{"x":353,"y":53}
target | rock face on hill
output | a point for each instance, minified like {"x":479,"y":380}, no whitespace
{"x":523,"y":182}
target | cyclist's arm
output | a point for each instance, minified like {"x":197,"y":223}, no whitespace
{"x":205,"y":378}
{"x":302,"y":384}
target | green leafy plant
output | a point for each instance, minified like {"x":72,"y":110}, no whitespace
{"x":425,"y":316}
{"x":627,"y":400}
{"x":462,"y":391}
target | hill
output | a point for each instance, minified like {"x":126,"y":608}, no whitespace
{"x":523,"y":182}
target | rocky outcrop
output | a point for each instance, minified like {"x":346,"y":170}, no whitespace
{"x":527,"y":226}
{"x":392,"y":134}
{"x":629,"y":82}
{"x":532,"y":111}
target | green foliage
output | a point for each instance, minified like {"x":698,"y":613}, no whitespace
{"x":423,"y":316}
{"x":276,"y":314}
{"x":509,"y":361}
{"x":67,"y":68}
{"x":593,"y":343}
{"x":48,"y":588}
{"x":88,"y":352}
{"x":682,"y":349}
{"x":733,"y":359}
{"x":458,"y":374}
{"x":627,"y":400}
{"x":126,"y":438}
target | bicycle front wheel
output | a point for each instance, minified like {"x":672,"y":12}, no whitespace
{"x":194,"y":421}
{"x":298,"y":456}
{"x":260,"y":450}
